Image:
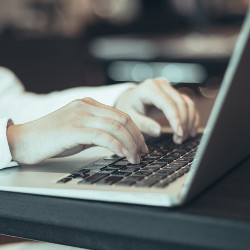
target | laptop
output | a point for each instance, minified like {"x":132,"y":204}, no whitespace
{"x":170,"y":174}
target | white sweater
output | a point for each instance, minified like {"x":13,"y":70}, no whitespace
{"x":20,"y":106}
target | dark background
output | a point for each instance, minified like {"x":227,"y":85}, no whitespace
{"x":52,"y":61}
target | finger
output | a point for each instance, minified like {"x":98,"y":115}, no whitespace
{"x":116,"y":130}
{"x":179,"y":101}
{"x":191,"y":116}
{"x":147,"y":125}
{"x":177,"y":139}
{"x":196,"y":124}
{"x":101,"y":138}
{"x":164,"y":102}
{"x":99,"y":109}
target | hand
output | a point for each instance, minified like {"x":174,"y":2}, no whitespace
{"x":178,"y":108}
{"x":69,"y":129}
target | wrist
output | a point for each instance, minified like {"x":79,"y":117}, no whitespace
{"x":11,"y":138}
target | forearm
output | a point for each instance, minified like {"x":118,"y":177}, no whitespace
{"x":23,"y":106}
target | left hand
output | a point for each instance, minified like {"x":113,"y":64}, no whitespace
{"x":178,"y":108}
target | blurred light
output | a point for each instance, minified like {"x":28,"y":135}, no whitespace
{"x":117,"y":48}
{"x":142,"y":71}
{"x":120,"y":71}
{"x":173,"y":72}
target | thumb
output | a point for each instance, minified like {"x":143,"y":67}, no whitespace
{"x":147,"y":125}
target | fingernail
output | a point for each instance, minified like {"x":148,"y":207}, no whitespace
{"x":180,"y":131}
{"x":155,"y":130}
{"x":179,"y":140}
{"x":132,"y":160}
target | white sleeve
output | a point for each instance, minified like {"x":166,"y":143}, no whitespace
{"x":5,"y":156}
{"x":22,"y":106}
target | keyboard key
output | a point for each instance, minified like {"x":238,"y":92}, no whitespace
{"x":64,"y":180}
{"x":156,"y":165}
{"x":146,"y":183}
{"x":94,"y":167}
{"x":174,"y":168}
{"x":121,"y":173}
{"x":188,"y":147}
{"x":149,"y":168}
{"x":157,"y":177}
{"x":151,"y":158}
{"x":85,"y":176}
{"x":134,"y":178}
{"x":123,"y":162}
{"x":108,"y":171}
{"x":176,"y":155}
{"x":93,"y":178}
{"x":166,"y":159}
{"x":104,"y":162}
{"x":187,"y":158}
{"x":165,"y":171}
{"x":125,"y":183}
{"x":75,"y":175}
{"x":184,"y":170}
{"x":182,"y":160}
{"x":177,"y":164}
{"x":177,"y":175}
{"x":192,"y":154}
{"x":114,"y":167}
{"x":144,"y":162}
{"x":155,"y":154}
{"x":83,"y":171}
{"x":142,"y":173}
{"x":180,"y":151}
{"x":130,"y":169}
{"x":164,"y":183}
{"x":140,"y":165}
{"x":109,"y":180}
{"x":162,"y":161}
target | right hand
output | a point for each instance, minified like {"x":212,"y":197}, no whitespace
{"x":69,"y":129}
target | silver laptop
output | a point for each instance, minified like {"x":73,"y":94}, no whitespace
{"x":170,"y":174}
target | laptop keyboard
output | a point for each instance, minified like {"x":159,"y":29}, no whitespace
{"x":164,"y":163}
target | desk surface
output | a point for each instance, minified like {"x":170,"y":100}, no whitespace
{"x":217,"y":219}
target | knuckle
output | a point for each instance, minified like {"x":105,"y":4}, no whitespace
{"x":162,"y":80}
{"x":149,"y":82}
{"x":97,"y":133}
{"x":183,"y":103}
{"x":76,"y":103}
{"x":166,"y":82}
{"x":117,"y":125}
{"x":190,"y":104}
{"x":125,"y":119}
{"x":88,"y":100}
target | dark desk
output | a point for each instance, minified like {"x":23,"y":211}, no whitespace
{"x":217,"y":219}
